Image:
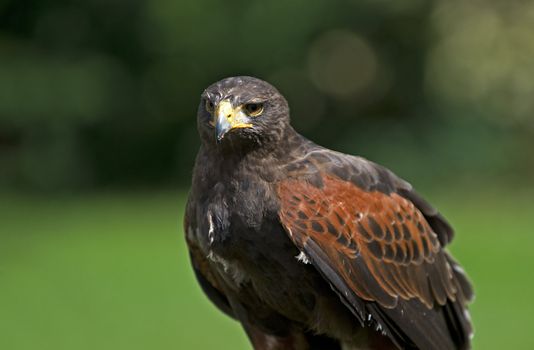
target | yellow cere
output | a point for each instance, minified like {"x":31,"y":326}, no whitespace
{"x":236,"y":117}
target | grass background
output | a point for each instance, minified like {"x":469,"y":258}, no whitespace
{"x":110,"y":271}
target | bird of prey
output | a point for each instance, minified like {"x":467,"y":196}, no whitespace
{"x":310,"y":248}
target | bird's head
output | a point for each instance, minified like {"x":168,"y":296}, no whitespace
{"x":242,"y":112}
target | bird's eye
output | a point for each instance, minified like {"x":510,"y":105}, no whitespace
{"x":254,"y":109}
{"x":209,"y":106}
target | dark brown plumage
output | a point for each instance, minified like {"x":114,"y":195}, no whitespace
{"x":310,"y":248}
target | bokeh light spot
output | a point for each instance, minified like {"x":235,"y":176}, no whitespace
{"x":342,"y":64}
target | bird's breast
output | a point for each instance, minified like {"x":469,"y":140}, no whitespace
{"x":226,"y":218}
{"x":244,"y":241}
{"x":239,"y":227}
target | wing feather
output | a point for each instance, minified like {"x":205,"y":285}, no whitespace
{"x":377,"y":247}
{"x":347,"y":222}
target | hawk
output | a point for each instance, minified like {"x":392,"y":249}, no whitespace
{"x":310,"y":248}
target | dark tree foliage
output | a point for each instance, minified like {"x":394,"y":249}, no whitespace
{"x":104,"y":93}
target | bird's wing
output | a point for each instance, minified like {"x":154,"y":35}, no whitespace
{"x":371,"y":177}
{"x":366,"y":237}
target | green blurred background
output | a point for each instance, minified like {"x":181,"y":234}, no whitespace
{"x":97,"y":139}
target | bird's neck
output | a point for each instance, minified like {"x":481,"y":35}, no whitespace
{"x":279,"y":148}
{"x":276,"y":148}
{"x":262,"y":158}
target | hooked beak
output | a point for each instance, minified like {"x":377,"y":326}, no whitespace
{"x":228,"y":118}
